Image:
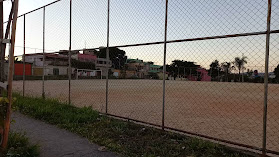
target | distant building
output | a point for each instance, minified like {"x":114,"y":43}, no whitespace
{"x":202,"y":75}
{"x":153,"y":71}
{"x":89,"y":51}
{"x":55,"y":64}
{"x":89,"y":55}
{"x":50,"y":59}
{"x":140,"y":69}
{"x":135,"y":67}
{"x":154,"y":68}
{"x":87,"y":58}
{"x":270,"y":75}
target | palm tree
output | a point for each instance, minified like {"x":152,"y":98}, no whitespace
{"x":239,"y":63}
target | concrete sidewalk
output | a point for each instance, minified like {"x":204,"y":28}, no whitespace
{"x":56,"y":142}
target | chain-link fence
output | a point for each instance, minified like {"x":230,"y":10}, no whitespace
{"x":204,"y":68}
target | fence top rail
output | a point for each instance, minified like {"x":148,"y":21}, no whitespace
{"x":177,"y":41}
{"x":200,"y":38}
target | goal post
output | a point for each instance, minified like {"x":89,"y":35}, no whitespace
{"x":88,"y":73}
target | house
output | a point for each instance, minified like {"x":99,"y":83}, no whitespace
{"x":143,"y":69}
{"x":135,"y":67}
{"x":87,"y":58}
{"x":89,"y":51}
{"x":154,"y":68}
{"x":103,"y":64}
{"x":89,"y":55}
{"x":153,"y":71}
{"x":55,"y":64}
{"x":50,"y":59}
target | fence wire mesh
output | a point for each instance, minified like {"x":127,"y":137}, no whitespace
{"x":215,"y":63}
{"x":219,"y":108}
{"x":57,"y":19}
{"x":136,"y":92}
{"x":89,"y":28}
{"x":34,"y":27}
{"x":140,"y":21}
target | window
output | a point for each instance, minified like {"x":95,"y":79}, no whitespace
{"x":55,"y":71}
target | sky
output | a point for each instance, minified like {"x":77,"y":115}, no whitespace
{"x":141,"y":21}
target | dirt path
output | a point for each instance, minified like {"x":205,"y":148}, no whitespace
{"x":55,"y":142}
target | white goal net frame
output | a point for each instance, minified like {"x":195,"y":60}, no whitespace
{"x":88,"y":73}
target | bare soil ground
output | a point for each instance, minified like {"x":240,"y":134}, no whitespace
{"x":230,"y":111}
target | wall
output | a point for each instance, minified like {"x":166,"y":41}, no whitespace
{"x":161,"y":75}
{"x":18,"y":69}
{"x":87,"y":58}
{"x":35,"y":59}
{"x":63,"y":70}
{"x":38,"y":71}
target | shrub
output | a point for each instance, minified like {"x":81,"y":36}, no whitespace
{"x":19,"y":146}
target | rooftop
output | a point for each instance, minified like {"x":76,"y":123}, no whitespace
{"x":155,"y":66}
{"x":134,"y":61}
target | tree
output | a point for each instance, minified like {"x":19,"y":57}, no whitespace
{"x":181,"y":68}
{"x":276,"y":73}
{"x":117,"y":56}
{"x":215,"y":70}
{"x":239,"y":63}
{"x":226,"y":68}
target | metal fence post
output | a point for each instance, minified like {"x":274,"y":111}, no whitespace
{"x":43,"y":85}
{"x":70,"y":53}
{"x":266,"y":77}
{"x":107,"y":57}
{"x":164,"y":67}
{"x":23,"y":83}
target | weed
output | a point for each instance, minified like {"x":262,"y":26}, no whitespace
{"x":19,"y":146}
{"x":126,"y":138}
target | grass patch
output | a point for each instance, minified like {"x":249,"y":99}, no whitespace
{"x":19,"y":146}
{"x":125,"y":138}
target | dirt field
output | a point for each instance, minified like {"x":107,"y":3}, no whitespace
{"x":230,"y":111}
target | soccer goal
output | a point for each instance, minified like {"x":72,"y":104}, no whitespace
{"x":88,"y":74}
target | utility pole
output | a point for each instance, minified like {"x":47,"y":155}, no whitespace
{"x":3,"y":48}
{"x":1,"y":65}
{"x":10,"y":77}
{"x":1,"y":45}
